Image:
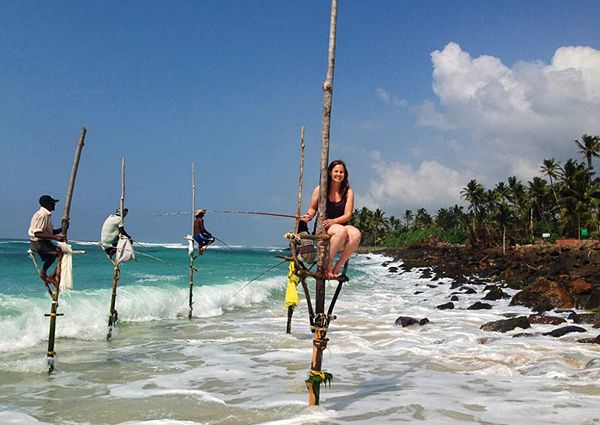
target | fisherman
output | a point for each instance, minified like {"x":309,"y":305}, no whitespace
{"x":112,"y":228}
{"x":201,"y":235}
{"x":41,"y":233}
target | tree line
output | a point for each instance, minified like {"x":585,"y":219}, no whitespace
{"x":563,"y":202}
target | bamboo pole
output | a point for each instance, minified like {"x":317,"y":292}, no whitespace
{"x":298,"y":209}
{"x":313,"y":383}
{"x":64,"y":228}
{"x":114,"y":315}
{"x":192,"y":269}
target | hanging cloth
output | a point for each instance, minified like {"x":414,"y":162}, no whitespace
{"x":66,"y":266}
{"x":291,"y":293}
{"x":125,"y":250}
{"x":190,"y":240}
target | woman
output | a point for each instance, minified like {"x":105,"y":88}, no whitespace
{"x":340,"y":204}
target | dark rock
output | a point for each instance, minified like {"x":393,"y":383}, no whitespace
{"x":480,"y":306}
{"x":455,"y":285}
{"x":418,"y":292}
{"x":507,"y":324}
{"x":543,"y":292}
{"x":454,"y":298}
{"x":467,"y":290}
{"x":494,"y":294}
{"x":588,"y":301}
{"x":405,"y":321}
{"x":585,"y":318}
{"x":432,"y":286}
{"x":565,"y":330}
{"x":525,"y":335}
{"x":426,"y":274}
{"x":385,"y":263}
{"x":542,"y":307}
{"x":393,"y":270}
{"x":447,"y":306}
{"x":545,"y":320}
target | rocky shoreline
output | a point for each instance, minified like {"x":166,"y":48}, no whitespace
{"x":558,"y":278}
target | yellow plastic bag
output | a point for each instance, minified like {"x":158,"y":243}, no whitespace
{"x":291,"y":293}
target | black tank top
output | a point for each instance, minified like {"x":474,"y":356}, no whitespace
{"x":335,"y":209}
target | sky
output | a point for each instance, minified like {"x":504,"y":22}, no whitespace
{"x":427,"y":95}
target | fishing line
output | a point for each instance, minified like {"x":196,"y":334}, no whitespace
{"x":231,"y":212}
{"x":253,"y":279}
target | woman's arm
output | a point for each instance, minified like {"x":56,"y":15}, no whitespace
{"x":313,"y":206}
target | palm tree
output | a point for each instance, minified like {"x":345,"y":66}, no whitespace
{"x":408,"y":218}
{"x":589,"y":148}
{"x":422,"y":218}
{"x":551,"y":168}
{"x":474,"y":193}
{"x":538,"y":191}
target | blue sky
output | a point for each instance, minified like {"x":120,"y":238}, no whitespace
{"x":427,"y":95}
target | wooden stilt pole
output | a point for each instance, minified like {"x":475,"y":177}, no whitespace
{"x":192,"y":257}
{"x":114,"y":315}
{"x":64,"y":228}
{"x":298,"y":209}
{"x":317,"y":376}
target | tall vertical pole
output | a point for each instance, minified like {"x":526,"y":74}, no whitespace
{"x":300,"y":179}
{"x":298,"y":209}
{"x":64,"y":228}
{"x":114,"y":315}
{"x":191,"y":296}
{"x":319,"y":337}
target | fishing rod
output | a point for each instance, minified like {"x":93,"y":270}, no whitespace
{"x":232,"y":212}
{"x":259,"y":275}
{"x":223,"y":242}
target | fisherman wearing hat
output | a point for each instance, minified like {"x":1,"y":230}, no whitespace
{"x":112,"y":228}
{"x":41,"y":233}
{"x":201,"y":235}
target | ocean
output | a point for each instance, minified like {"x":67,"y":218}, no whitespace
{"x":233,"y":363}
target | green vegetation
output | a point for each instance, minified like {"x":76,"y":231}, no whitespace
{"x":512,"y":211}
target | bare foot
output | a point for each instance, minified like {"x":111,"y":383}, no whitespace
{"x":51,"y":280}
{"x":336,"y":269}
{"x":330,"y":275}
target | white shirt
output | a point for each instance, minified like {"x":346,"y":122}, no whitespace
{"x":40,"y":222}
{"x":110,"y":229}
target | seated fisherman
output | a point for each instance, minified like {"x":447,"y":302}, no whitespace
{"x":201,"y":235}
{"x":111,"y":229}
{"x":41,"y":233}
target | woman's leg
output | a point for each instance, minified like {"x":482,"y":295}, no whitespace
{"x":351,"y":246}
{"x":338,"y":237}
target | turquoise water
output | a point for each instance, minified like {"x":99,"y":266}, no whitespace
{"x":233,"y":363}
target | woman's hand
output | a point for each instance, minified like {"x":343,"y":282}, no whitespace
{"x":306,"y":218}
{"x":327,"y":223}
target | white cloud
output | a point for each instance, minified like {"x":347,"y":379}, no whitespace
{"x":390,"y":98}
{"x":532,"y":107}
{"x":398,"y":186}
{"x":495,"y":121}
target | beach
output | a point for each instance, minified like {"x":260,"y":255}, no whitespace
{"x":234,"y":364}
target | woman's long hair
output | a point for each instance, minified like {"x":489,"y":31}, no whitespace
{"x":345,"y":185}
